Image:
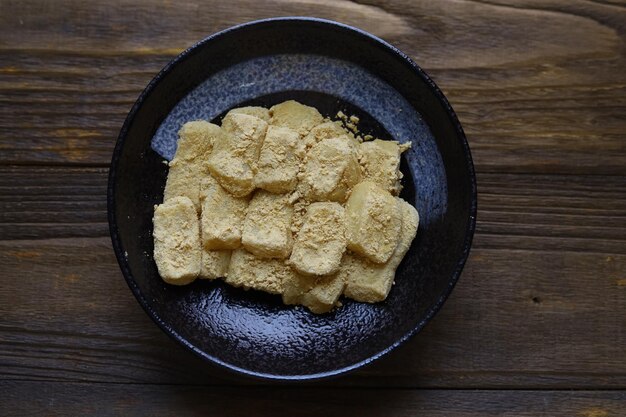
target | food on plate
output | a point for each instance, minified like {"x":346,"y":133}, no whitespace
{"x":370,"y":282}
{"x":318,"y":293}
{"x":381,"y":163}
{"x":267,"y":226}
{"x":296,"y":116}
{"x":189,"y":167}
{"x":222,"y":216}
{"x":251,"y":272}
{"x":373,"y":222}
{"x":286,"y":202}
{"x":279,"y":160}
{"x":325,"y":130}
{"x":236,"y":152}
{"x":177,"y":249}
{"x":321,"y":241}
{"x":331,"y":170}
{"x":260,"y":112}
{"x":214,"y":264}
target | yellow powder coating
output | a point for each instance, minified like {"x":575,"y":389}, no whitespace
{"x":251,"y":272}
{"x":373,"y":222}
{"x":326,"y":130}
{"x":260,"y":112}
{"x":321,"y":241}
{"x":350,"y":122}
{"x":177,"y":249}
{"x":370,"y":282}
{"x":381,"y":164}
{"x":331,"y":170}
{"x":318,"y":294}
{"x":295,"y":116}
{"x":319,"y":191}
{"x":279,"y":161}
{"x":214,"y":263}
{"x":267,"y":227}
{"x":222,"y":216}
{"x":189,"y":166}
{"x":300,"y":206}
{"x":233,"y":161}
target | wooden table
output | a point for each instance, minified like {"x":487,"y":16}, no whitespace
{"x":537,"y":323}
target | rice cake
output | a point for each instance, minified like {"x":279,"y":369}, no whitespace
{"x":381,"y":164}
{"x":279,"y":161}
{"x":331,"y":170}
{"x":222,"y":216}
{"x":318,"y":294}
{"x":321,"y":241}
{"x":373,"y":222}
{"x":369,"y":282}
{"x":267,"y":226}
{"x":233,"y":161}
{"x":251,"y":272}
{"x":295,"y":116}
{"x":177,"y":249}
{"x":189,"y":165}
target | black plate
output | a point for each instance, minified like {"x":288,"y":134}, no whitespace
{"x":332,"y":67}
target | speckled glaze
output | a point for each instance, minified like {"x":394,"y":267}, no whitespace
{"x":332,"y":67}
{"x":267,"y":75}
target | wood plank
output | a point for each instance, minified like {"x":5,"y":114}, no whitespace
{"x":517,"y":319}
{"x":536,"y":323}
{"x":149,"y":26}
{"x":570,"y":297}
{"x":39,"y":202}
{"x":139,"y":27}
{"x":554,"y":212}
{"x":551,"y":104}
{"x":163,"y":400}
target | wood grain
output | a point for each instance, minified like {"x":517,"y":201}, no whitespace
{"x":533,"y":95}
{"x":517,"y":211}
{"x":43,"y":202}
{"x":518,"y":318}
{"x":536,"y":324}
{"x":164,"y":400}
{"x":549,"y":252}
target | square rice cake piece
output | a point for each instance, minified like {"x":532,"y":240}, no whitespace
{"x":177,"y":249}
{"x":279,"y":161}
{"x":381,"y":163}
{"x":256,"y":111}
{"x":295,"y":116}
{"x":325,"y":130}
{"x":331,"y":170}
{"x":251,"y":272}
{"x":370,"y":282}
{"x":189,"y":166}
{"x":215,"y":263}
{"x":222,"y":216}
{"x":373,"y":222}
{"x":321,"y":241}
{"x":267,"y":226}
{"x":233,"y":161}
{"x":318,"y":294}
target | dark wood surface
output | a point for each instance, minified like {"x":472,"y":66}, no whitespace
{"x":536,"y":325}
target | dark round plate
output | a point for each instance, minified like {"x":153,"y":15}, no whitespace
{"x":332,"y":67}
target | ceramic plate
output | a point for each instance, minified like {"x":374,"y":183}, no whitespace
{"x":332,"y":67}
